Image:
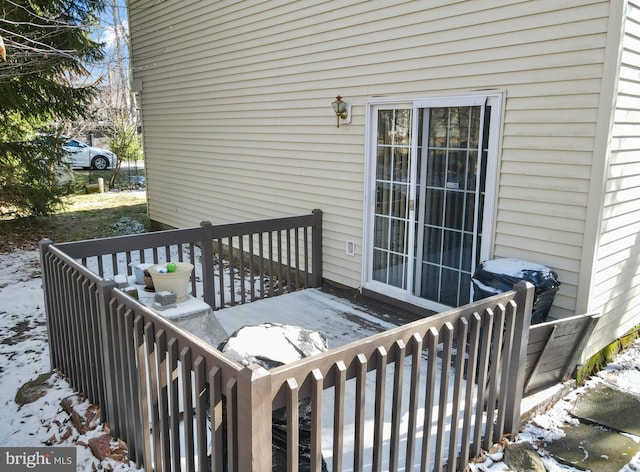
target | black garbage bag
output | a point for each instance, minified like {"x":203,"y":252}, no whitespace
{"x":279,"y":439}
{"x":499,"y":275}
{"x":270,"y":345}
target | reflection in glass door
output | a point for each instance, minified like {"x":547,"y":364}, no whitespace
{"x":450,"y":196}
{"x":430,"y":189}
{"x":391,"y":220}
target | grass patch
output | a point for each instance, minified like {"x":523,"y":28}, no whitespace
{"x":83,"y":216}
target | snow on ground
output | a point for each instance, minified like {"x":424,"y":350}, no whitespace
{"x":24,"y":355}
{"x":622,"y":373}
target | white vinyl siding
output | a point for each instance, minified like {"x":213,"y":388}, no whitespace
{"x":236,"y":103}
{"x":616,"y":292}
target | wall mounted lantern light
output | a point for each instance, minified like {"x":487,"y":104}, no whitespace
{"x":342,"y":110}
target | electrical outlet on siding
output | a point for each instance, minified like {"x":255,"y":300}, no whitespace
{"x":350,"y":248}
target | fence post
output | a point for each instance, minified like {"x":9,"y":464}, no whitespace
{"x":53,"y":348}
{"x":316,"y":251}
{"x":254,"y":419}
{"x":108,"y":391}
{"x":524,"y":301}
{"x":208,"y":289}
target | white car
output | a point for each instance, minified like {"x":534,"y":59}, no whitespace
{"x":81,"y":156}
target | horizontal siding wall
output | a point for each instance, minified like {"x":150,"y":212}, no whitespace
{"x":238,"y":123}
{"x":617,"y":284}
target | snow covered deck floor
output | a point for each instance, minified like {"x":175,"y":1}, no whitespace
{"x":339,"y":319}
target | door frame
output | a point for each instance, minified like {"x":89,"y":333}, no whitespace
{"x":496,"y":98}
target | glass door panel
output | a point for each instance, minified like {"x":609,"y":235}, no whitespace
{"x":449,"y":203}
{"x":392,"y":190}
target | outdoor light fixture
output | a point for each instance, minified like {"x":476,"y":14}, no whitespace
{"x":342,"y":111}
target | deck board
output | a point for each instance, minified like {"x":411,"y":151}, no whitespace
{"x":338,"y":319}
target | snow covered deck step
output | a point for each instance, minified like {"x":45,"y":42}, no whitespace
{"x":338,"y":319}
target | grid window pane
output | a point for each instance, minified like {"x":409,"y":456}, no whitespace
{"x":430,"y":287}
{"x":383,"y":164}
{"x":383,"y":197}
{"x":454,"y":210}
{"x":402,"y":128}
{"x":449,"y":287}
{"x":436,"y":165}
{"x":452,"y":249}
{"x":381,"y":232}
{"x":438,"y":125}
{"x":399,"y":200}
{"x":467,"y":251}
{"x":385,"y":126}
{"x":432,"y":245}
{"x":401,"y":164}
{"x":465,"y":287}
{"x":397,"y":270}
{"x":472,"y":170}
{"x":457,"y":170}
{"x":380,"y":265}
{"x":398,"y":235}
{"x":434,"y":207}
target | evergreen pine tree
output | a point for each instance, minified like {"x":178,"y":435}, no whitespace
{"x":47,"y":45}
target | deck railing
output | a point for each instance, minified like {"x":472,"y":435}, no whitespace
{"x":257,"y":259}
{"x":424,"y":396}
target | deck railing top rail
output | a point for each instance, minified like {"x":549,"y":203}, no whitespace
{"x":134,"y":242}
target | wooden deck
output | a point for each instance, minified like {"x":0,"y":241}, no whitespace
{"x":339,"y":319}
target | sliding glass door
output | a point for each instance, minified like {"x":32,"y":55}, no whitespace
{"x":429,"y":166}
